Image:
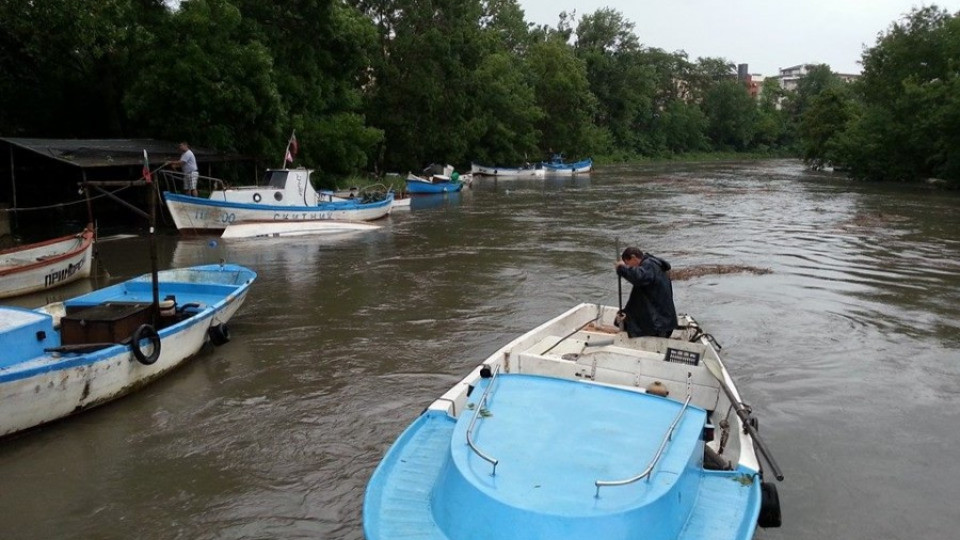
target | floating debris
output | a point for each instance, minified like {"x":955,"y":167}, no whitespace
{"x":715,"y":269}
{"x":871,"y":219}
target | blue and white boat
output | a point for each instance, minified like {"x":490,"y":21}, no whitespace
{"x":438,"y":183}
{"x":285,"y":195}
{"x":94,"y":348}
{"x":558,"y":166}
{"x":574,"y":431}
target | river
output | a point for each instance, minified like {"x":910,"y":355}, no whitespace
{"x":845,"y":340}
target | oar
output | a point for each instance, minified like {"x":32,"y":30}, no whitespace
{"x":714,"y":366}
{"x":619,"y":281}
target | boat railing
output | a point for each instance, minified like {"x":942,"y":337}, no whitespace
{"x":173,"y":181}
{"x":476,"y":414}
{"x":648,"y":472}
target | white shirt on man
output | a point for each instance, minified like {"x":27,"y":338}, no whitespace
{"x":188,"y":161}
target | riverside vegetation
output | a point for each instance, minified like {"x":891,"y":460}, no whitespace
{"x":392,"y":85}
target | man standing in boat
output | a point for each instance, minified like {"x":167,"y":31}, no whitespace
{"x":650,"y":310}
{"x":187,"y":164}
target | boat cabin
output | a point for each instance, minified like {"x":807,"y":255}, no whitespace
{"x":278,"y":187}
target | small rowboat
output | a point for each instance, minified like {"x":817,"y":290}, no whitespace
{"x":69,"y":357}
{"x":574,"y":430}
{"x":526,"y":171}
{"x":558,"y":166}
{"x":45,"y":265}
{"x":434,"y":184}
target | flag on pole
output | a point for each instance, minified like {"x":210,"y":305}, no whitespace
{"x":292,"y":148}
{"x":146,"y":167}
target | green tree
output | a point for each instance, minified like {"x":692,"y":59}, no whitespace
{"x":562,"y":92}
{"x":731,"y":115}
{"x":822,"y":126}
{"x":67,"y":64}
{"x":622,"y":83}
{"x":205,"y":81}
{"x":908,"y":127}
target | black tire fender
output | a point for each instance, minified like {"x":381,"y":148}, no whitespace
{"x":769,"y":506}
{"x":219,"y":334}
{"x":145,"y":331}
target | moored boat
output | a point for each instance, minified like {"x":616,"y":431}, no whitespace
{"x":45,"y":265}
{"x":283,"y":229}
{"x":528,"y":170}
{"x":286,"y":195}
{"x":434,"y":184}
{"x":558,"y":166}
{"x":94,"y":348}
{"x":574,"y":430}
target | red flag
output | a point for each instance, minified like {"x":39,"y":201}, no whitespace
{"x":293,"y":145}
{"x":146,"y":168}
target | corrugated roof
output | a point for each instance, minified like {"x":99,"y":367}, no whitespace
{"x":89,"y":153}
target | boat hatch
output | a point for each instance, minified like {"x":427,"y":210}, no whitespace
{"x":552,"y":439}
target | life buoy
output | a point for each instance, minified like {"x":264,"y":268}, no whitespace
{"x":145,"y":331}
{"x":256,"y":197}
{"x":219,"y":334}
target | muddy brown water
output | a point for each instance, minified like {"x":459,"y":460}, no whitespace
{"x":837,"y":305}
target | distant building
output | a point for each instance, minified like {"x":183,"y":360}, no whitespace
{"x":790,"y":77}
{"x":753,"y":81}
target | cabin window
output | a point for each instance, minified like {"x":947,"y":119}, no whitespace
{"x":275,"y":179}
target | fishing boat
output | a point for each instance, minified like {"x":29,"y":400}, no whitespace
{"x":437,"y":183}
{"x":66,"y":358}
{"x":284,"y":195}
{"x":44,"y":265}
{"x":528,"y":170}
{"x":573,"y":431}
{"x":284,"y":229}
{"x":558,"y":166}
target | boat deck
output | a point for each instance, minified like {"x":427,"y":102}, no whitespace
{"x":553,"y":439}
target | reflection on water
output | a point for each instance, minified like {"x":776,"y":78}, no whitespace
{"x":847,"y":349}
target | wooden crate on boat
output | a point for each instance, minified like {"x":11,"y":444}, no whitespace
{"x":112,"y":322}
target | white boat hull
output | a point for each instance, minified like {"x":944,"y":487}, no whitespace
{"x":45,"y":266}
{"x":56,"y":385}
{"x":194,"y":213}
{"x":279,"y":229}
{"x":507,"y":172}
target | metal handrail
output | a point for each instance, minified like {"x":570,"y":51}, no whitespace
{"x":476,"y":414}
{"x":173,"y":179}
{"x":647,"y":473}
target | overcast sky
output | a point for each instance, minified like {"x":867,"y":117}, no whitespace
{"x":765,"y":34}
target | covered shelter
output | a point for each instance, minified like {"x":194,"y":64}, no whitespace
{"x":42,"y":176}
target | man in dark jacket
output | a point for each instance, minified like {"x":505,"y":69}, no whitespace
{"x":650,"y":310}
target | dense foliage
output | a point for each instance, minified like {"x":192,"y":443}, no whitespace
{"x":395,"y":84}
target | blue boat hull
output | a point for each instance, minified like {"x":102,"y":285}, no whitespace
{"x":559,"y":167}
{"x":419,"y":187}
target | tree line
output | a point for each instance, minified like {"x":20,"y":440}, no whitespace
{"x":390,"y":85}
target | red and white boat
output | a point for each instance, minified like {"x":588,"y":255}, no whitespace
{"x":45,"y":265}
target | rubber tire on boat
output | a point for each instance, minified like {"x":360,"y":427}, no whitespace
{"x":769,"y":506}
{"x":145,"y":331}
{"x":256,"y":197}
{"x":754,"y":423}
{"x":219,"y":334}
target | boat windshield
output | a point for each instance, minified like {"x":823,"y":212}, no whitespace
{"x":275,"y":179}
